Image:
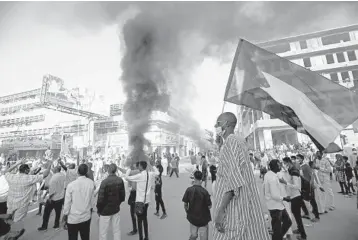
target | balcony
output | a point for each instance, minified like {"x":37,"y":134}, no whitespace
{"x":309,"y":36}
{"x":20,"y":96}
{"x":335,"y":67}
{"x":21,"y":121}
{"x":322,"y":50}
{"x":18,"y":108}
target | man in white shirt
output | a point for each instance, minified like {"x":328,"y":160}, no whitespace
{"x":281,"y":221}
{"x":144,"y":180}
{"x":284,"y":191}
{"x":77,"y":210}
{"x":294,"y":186}
{"x":132,"y":195}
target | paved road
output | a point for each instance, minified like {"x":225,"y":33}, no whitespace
{"x":338,"y":225}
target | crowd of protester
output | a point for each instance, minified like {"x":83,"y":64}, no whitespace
{"x":294,"y":180}
{"x":295,"y":183}
{"x":76,"y":188}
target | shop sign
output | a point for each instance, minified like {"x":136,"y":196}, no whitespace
{"x":35,"y":144}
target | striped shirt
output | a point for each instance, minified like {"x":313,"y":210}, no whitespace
{"x":244,"y":218}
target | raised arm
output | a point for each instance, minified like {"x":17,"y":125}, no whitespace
{"x":18,"y":163}
{"x":62,"y":165}
{"x":47,"y":171}
{"x":133,"y":178}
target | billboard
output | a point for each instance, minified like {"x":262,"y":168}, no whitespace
{"x":35,"y":143}
{"x":55,"y":92}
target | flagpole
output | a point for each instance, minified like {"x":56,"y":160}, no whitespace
{"x":223,"y":108}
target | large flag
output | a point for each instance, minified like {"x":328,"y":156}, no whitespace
{"x":305,"y":100}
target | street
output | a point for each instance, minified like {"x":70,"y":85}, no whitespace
{"x":336,"y":225}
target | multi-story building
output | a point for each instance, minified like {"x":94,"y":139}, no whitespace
{"x":332,"y":53}
{"x":165,"y":134}
{"x":27,"y":127}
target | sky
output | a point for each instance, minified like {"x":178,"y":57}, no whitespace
{"x":81,"y":42}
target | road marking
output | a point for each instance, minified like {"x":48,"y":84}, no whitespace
{"x":33,"y":210}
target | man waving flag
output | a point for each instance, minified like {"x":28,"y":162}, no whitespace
{"x":305,"y":100}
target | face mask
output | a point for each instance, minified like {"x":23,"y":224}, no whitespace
{"x":219,"y":130}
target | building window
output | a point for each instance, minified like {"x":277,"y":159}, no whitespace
{"x":345,"y":77}
{"x":340,"y":57}
{"x":307,"y":62}
{"x":330,"y":58}
{"x":337,"y":38}
{"x":303,"y":44}
{"x":355,"y":74}
{"x":351,"y":56}
{"x":334,"y":77}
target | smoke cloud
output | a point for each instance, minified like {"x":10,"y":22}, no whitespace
{"x":144,"y":82}
{"x":153,"y":59}
{"x":165,"y":41}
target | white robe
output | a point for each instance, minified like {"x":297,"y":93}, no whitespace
{"x":165,"y":166}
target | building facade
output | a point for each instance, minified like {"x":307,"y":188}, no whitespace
{"x":28,"y":127}
{"x":166,"y":135}
{"x":332,"y":53}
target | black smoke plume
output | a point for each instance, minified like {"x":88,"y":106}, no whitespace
{"x":143,"y":80}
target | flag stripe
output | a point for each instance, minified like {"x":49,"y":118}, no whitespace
{"x":326,"y":129}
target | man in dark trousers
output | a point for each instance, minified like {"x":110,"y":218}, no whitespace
{"x":296,"y":199}
{"x":159,"y":196}
{"x":56,"y":198}
{"x":307,"y":188}
{"x":281,"y":221}
{"x":132,"y":196}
